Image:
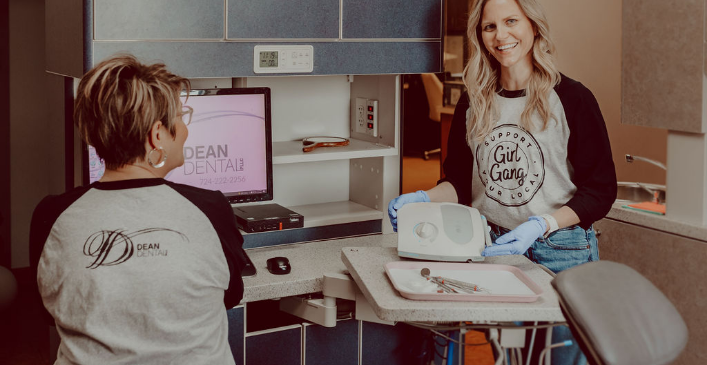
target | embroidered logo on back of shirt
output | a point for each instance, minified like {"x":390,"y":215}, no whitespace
{"x":109,"y":248}
{"x":510,"y":164}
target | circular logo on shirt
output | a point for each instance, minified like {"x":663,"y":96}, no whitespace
{"x":510,"y":164}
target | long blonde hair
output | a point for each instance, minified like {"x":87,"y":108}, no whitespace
{"x":482,"y":73}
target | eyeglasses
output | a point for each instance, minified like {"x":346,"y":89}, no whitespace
{"x":186,"y":114}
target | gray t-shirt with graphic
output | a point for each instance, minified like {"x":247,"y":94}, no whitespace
{"x":514,"y":174}
{"x":139,"y":272}
{"x":526,"y":170}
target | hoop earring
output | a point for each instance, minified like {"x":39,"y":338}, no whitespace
{"x":162,"y":160}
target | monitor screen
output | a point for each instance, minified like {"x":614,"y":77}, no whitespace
{"x":229,"y":145}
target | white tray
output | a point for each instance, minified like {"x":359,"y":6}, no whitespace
{"x":504,"y":283}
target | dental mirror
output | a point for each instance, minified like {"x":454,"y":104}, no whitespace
{"x":310,"y":143}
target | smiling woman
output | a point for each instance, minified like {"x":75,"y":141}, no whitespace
{"x":518,"y":142}
{"x":509,"y":35}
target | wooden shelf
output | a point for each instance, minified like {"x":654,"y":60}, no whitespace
{"x":291,"y":152}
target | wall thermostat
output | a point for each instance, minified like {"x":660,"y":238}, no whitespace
{"x":271,"y":59}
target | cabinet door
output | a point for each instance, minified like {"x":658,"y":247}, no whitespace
{"x":661,"y":79}
{"x":400,"y":344}
{"x":336,"y":345}
{"x":672,"y":263}
{"x":283,"y":19}
{"x":392,"y":19}
{"x":236,"y":330}
{"x":281,"y":347}
{"x":158,"y":19}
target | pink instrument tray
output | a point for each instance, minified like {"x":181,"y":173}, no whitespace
{"x":504,"y":283}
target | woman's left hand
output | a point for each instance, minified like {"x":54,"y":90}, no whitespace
{"x":517,"y":241}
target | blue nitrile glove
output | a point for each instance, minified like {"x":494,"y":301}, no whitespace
{"x":517,"y":241}
{"x":397,"y":203}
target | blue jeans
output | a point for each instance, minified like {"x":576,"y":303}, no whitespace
{"x":563,"y":249}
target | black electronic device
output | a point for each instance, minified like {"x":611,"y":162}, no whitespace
{"x":266,"y":217}
{"x":279,"y":265}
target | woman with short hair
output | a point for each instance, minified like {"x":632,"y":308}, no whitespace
{"x":135,"y":269}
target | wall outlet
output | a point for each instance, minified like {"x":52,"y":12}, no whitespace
{"x":367,"y":116}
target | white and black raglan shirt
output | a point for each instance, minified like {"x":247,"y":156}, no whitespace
{"x":515,"y":173}
{"x":138,"y":272}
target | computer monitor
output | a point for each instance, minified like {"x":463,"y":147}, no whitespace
{"x":229,"y":147}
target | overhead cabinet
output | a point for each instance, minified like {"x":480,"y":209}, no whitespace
{"x":396,"y":19}
{"x":663,"y":82}
{"x":263,"y":19}
{"x":359,"y":50}
{"x":216,"y":38}
{"x":157,"y":19}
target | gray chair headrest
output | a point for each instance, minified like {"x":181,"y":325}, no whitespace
{"x":619,"y":315}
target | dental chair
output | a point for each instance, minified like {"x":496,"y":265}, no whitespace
{"x":619,"y":317}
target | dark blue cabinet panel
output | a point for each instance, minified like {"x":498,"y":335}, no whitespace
{"x":281,"y":348}
{"x":392,"y":19}
{"x":158,"y":19}
{"x":192,"y":37}
{"x":337,"y":345}
{"x":283,"y":19}
{"x":235,"y":59}
{"x":235,"y":333}
{"x":400,"y":344}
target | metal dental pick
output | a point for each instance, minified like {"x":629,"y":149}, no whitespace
{"x":449,"y":285}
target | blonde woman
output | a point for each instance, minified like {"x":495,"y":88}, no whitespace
{"x":528,"y":146}
{"x":135,"y":269}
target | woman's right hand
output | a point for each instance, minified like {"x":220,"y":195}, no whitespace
{"x":419,"y":196}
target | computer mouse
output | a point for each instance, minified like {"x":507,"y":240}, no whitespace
{"x":279,"y":265}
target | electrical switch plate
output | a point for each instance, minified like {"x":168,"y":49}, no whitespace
{"x":367,"y":116}
{"x":270,"y":59}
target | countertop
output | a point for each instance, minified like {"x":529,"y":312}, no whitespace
{"x":657,"y":222}
{"x":311,"y":260}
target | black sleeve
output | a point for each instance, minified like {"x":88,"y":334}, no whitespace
{"x":43,"y":218}
{"x":459,"y":163}
{"x":40,"y":227}
{"x":589,"y":153}
{"x":232,"y":244}
{"x":217,"y":208}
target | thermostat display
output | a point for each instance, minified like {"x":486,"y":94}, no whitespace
{"x":268,"y":59}
{"x":283,"y":59}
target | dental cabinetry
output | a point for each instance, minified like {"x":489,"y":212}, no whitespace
{"x":663,"y":85}
{"x":359,"y":50}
